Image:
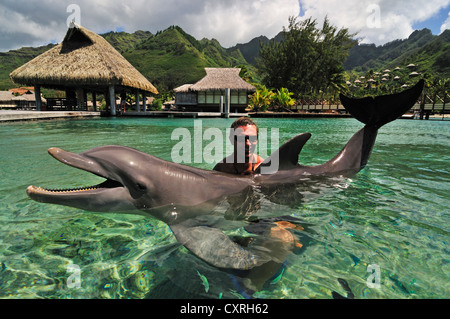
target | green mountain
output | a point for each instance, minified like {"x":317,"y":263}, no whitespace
{"x":124,"y":42}
{"x":169,"y":58}
{"x":430,"y":53}
{"x":172,"y":57}
{"x":250,"y":50}
{"x":11,"y":60}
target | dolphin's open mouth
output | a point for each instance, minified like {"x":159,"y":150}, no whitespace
{"x":81,"y":162}
{"x":108,"y":184}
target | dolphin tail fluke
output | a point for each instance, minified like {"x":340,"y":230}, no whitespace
{"x":374,"y":112}
{"x":380,"y":110}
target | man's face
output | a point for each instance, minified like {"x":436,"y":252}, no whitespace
{"x":245,"y":139}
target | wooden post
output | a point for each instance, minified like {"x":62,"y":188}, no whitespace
{"x":138,"y":101}
{"x":80,"y":99}
{"x":227,"y":103}
{"x":94,"y":101}
{"x":112,"y":100}
{"x":37,"y":95}
{"x":70,"y":96}
{"x":144,"y":101}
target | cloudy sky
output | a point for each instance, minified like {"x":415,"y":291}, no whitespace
{"x":35,"y":23}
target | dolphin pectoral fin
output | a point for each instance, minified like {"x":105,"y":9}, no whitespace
{"x":382,"y":109}
{"x":286,"y":157}
{"x":216,"y":248}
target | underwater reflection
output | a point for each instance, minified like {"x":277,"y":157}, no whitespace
{"x":254,"y":219}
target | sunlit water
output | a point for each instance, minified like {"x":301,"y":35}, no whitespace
{"x":392,"y":215}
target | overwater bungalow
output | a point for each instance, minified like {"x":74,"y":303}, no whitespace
{"x":83,"y":62}
{"x":220,"y":85}
{"x":13,"y":100}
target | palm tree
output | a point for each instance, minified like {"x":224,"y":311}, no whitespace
{"x":261,"y":99}
{"x":284,"y":98}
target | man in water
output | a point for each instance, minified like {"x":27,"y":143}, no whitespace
{"x":243,"y":160}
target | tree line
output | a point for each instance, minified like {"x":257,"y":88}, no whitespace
{"x":306,"y":67}
{"x":307,"y":62}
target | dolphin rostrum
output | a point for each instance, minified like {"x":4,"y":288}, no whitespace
{"x":185,"y":197}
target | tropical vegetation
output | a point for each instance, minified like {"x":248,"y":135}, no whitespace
{"x":305,"y":62}
{"x":265,"y":99}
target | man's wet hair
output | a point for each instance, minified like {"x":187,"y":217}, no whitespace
{"x":243,"y":121}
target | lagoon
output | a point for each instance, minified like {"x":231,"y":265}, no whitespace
{"x":384,"y":231}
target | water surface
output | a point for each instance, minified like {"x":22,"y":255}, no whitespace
{"x":393,"y":214}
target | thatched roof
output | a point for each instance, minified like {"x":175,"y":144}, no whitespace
{"x":8,"y":96}
{"x":217,"y":79}
{"x":82,"y":59}
{"x":183,"y":89}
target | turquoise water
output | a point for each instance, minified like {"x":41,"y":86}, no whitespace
{"x":394,"y":215}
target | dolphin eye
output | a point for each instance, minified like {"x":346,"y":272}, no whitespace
{"x":141,"y":187}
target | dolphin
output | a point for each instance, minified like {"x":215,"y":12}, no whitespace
{"x":186,"y":197}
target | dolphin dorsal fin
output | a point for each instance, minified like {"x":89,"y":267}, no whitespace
{"x":287,"y":154}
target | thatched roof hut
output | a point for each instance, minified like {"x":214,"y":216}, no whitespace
{"x":208,"y":92}
{"x":83,"y":60}
{"x":10,"y":100}
{"x":218,"y":79}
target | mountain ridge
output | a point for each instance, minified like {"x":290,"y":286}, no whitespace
{"x":172,"y":57}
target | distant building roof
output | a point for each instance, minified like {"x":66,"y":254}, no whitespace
{"x":82,"y":59}
{"x":220,"y":79}
{"x":8,"y":96}
{"x":22,"y":90}
{"x":183,"y":89}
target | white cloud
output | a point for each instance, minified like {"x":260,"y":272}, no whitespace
{"x":240,"y":21}
{"x":446,"y":24}
{"x":396,"y":18}
{"x":33,"y":22}
{"x":229,"y":21}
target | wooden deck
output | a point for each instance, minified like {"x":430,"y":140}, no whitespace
{"x":174,"y":114}
{"x":14,"y":116}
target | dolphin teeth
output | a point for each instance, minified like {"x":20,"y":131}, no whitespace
{"x":104,"y":185}
{"x":66,"y":191}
